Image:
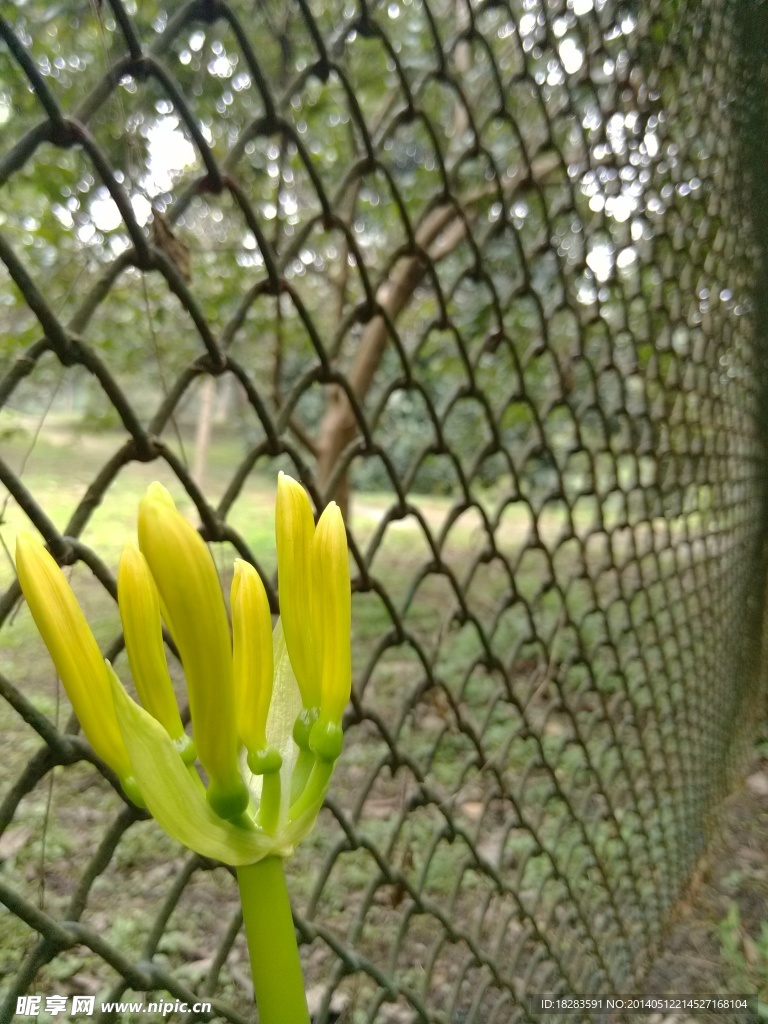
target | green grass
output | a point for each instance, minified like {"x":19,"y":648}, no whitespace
{"x":745,"y":955}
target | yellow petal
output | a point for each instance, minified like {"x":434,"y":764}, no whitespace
{"x":294,"y":527}
{"x":333,"y":599}
{"x":140,"y":615}
{"x":193,"y":607}
{"x":74,"y":650}
{"x":252,"y":655}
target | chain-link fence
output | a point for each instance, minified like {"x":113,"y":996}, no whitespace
{"x":490,"y":274}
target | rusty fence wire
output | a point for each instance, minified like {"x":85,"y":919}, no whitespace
{"x":489,"y":272}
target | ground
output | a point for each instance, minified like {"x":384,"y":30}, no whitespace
{"x":719,"y":941}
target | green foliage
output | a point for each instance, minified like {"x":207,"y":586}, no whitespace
{"x":509,"y":331}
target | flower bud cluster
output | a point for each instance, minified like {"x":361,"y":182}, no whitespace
{"x":265,"y":704}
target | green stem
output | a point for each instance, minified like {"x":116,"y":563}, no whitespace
{"x":305,"y":762}
{"x":275,"y":964}
{"x":269,"y":808}
{"x":314,"y":790}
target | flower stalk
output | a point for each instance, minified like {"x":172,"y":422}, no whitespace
{"x":274,"y":954}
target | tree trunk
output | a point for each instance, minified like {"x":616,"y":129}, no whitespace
{"x":439,"y":234}
{"x":339,"y":426}
{"x":203,"y":432}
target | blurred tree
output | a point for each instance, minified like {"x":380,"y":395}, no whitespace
{"x":406,"y":203}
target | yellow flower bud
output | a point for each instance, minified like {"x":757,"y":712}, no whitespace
{"x":294,"y":528}
{"x":75,"y":653}
{"x":140,"y":615}
{"x":252,"y":661}
{"x":193,"y":608}
{"x":330,"y":560}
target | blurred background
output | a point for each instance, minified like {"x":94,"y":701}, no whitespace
{"x":491,"y":275}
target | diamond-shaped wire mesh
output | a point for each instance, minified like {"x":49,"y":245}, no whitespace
{"x":485,"y":273}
